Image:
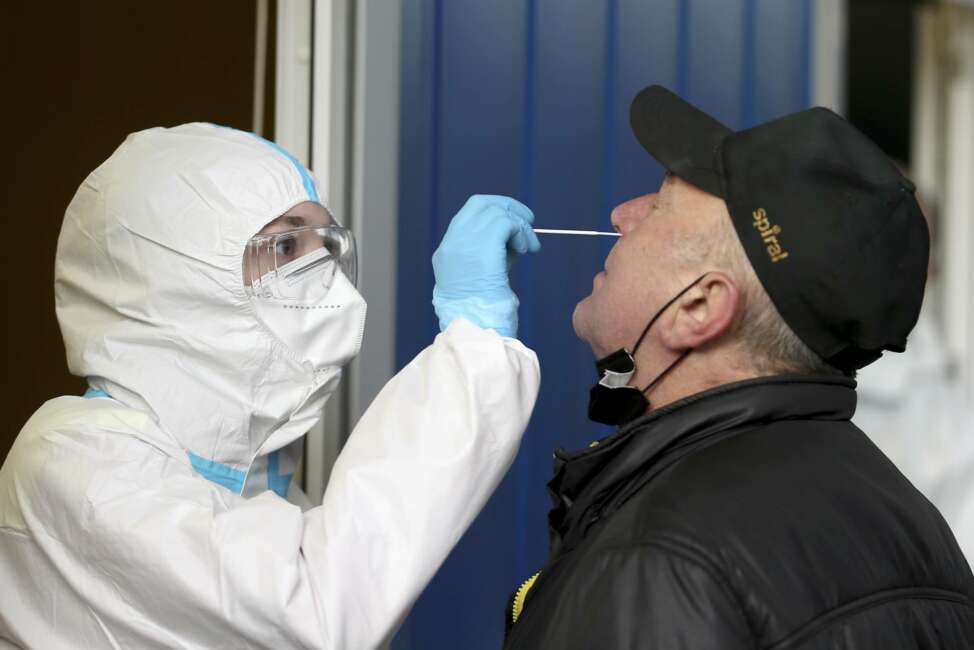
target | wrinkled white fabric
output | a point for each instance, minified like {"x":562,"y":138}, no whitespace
{"x":111,"y":538}
{"x":915,"y":411}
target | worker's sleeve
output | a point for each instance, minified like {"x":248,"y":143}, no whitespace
{"x":652,"y":596}
{"x":416,"y":470}
{"x":198,"y":566}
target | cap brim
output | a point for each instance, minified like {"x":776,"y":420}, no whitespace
{"x":680,"y":136}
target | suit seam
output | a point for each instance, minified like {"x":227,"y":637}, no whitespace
{"x":698,"y":559}
{"x":19,"y":532}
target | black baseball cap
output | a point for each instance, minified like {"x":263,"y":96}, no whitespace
{"x":830,"y":225}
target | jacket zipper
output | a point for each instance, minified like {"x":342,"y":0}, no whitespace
{"x":520,"y":596}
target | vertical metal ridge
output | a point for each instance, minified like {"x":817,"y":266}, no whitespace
{"x":436,"y":123}
{"x":527,"y":181}
{"x":806,"y":48}
{"x":683,"y":49}
{"x":748,"y":76}
{"x":609,"y":105}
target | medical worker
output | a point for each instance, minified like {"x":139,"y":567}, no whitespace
{"x":209,"y":298}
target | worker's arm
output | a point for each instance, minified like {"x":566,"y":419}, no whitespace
{"x":416,"y":471}
{"x":193,"y":562}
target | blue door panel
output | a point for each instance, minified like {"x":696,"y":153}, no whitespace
{"x":418,"y":179}
{"x":645,"y":50}
{"x":715,"y":54}
{"x":781,"y":43}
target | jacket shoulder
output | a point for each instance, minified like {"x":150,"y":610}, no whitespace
{"x":798,"y":517}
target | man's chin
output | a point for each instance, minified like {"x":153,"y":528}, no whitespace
{"x":586,"y":328}
{"x":580,"y":320}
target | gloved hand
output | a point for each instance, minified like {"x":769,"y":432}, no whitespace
{"x":472,"y":261}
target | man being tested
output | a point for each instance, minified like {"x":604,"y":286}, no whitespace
{"x":737,"y":507}
{"x":209,"y":299}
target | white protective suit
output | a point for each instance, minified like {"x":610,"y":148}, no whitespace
{"x":149,"y":515}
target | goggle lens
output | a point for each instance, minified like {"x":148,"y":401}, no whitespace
{"x":299,"y":264}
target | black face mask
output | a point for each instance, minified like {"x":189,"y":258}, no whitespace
{"x":612,"y":400}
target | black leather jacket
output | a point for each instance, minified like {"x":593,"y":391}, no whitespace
{"x":754,"y":515}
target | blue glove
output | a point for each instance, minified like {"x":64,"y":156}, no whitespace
{"x":472,"y":261}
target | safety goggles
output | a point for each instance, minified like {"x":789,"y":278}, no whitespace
{"x":298,"y":264}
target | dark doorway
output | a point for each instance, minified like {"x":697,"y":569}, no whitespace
{"x":78,"y":77}
{"x":880,"y":72}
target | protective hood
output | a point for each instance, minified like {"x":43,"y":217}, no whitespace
{"x":151,"y":302}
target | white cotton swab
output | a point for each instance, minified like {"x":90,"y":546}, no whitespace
{"x":590,"y":233}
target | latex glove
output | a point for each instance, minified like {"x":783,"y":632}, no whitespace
{"x":472,"y":261}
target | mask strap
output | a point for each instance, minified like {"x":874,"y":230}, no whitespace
{"x":656,"y":318}
{"x":660,"y":376}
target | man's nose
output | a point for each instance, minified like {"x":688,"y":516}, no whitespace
{"x":626,"y":216}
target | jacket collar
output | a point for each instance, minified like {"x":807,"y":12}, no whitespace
{"x":583,"y":480}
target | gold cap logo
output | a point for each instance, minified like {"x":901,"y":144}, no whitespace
{"x":769,"y":235}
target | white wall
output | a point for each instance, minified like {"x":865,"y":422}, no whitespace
{"x":828,"y":72}
{"x":943,"y":154}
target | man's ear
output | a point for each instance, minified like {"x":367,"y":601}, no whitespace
{"x":703,"y":314}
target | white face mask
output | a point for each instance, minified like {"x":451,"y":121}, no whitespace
{"x":322,"y":329}
{"x":326,"y":332}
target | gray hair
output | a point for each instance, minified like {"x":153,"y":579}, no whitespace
{"x":770,"y":344}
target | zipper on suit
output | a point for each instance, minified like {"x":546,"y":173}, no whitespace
{"x":517,"y":604}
